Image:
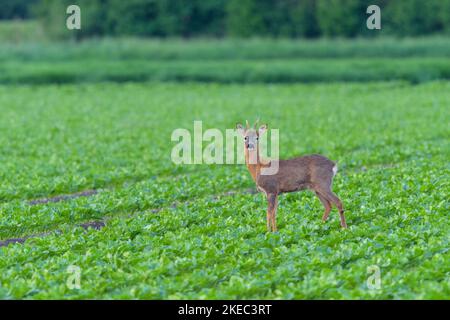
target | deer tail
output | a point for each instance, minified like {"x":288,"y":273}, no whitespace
{"x":335,"y":169}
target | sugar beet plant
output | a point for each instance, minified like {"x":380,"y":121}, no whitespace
{"x":198,"y":231}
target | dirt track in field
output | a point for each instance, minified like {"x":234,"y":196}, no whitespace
{"x":64,"y":197}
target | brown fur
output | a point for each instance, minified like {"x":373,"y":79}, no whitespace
{"x":314,"y":172}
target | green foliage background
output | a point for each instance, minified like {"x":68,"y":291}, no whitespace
{"x":239,"y":18}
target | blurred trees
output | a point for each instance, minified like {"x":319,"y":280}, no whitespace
{"x":165,"y":17}
{"x":239,"y":18}
{"x":282,"y":18}
{"x":418,"y":17}
{"x":341,"y":17}
{"x":16,"y":9}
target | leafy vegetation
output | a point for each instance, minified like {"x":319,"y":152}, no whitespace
{"x":179,"y":232}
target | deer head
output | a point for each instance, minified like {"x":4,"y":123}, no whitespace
{"x":251,"y":135}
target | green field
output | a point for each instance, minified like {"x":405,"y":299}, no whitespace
{"x":226,"y":61}
{"x":87,"y":179}
{"x":195,"y":231}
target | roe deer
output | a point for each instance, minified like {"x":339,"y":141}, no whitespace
{"x":314,"y":172}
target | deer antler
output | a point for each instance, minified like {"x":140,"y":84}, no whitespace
{"x":247,"y":124}
{"x":256,"y":124}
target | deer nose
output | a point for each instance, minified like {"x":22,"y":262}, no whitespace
{"x":250,"y":145}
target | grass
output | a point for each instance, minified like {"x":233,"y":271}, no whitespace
{"x":389,"y":138}
{"x":18,"y":32}
{"x":224,"y":49}
{"x":226,"y":61}
{"x":414,"y":70}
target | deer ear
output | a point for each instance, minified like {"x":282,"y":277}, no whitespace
{"x":262,"y":129}
{"x":240,"y":128}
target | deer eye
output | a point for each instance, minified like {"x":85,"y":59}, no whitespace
{"x":246,"y":138}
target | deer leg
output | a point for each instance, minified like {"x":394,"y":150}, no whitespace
{"x":268,"y":219}
{"x":337,"y":202}
{"x":331,"y":197}
{"x":326,"y":205}
{"x":271,"y":211}
{"x":274,"y":215}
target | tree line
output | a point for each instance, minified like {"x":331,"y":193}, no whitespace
{"x":237,"y":18}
